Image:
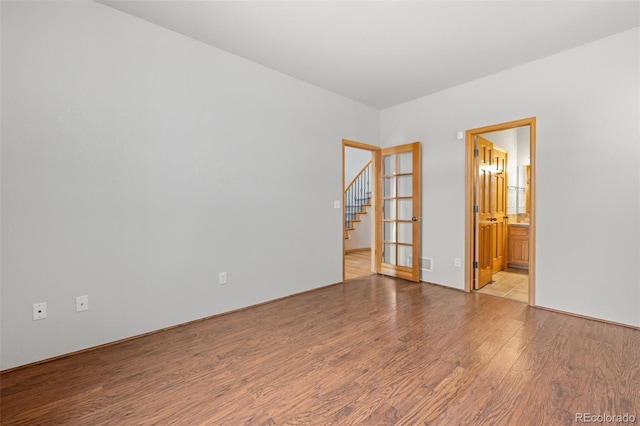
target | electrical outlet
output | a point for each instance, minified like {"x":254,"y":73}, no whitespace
{"x":39,"y":311}
{"x":82,"y":303}
{"x":456,"y":262}
{"x":223,"y":278}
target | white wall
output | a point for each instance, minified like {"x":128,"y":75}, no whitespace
{"x":524,"y":146}
{"x":137,"y":164}
{"x":586,"y":101}
{"x":354,"y":161}
{"x":360,"y":236}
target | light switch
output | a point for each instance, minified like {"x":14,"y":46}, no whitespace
{"x":460,"y":136}
{"x":336,"y":204}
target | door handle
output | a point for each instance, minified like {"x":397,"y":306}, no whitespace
{"x":416,"y":219}
{"x":493,"y":219}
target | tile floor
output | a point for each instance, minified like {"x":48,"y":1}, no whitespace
{"x":510,"y":283}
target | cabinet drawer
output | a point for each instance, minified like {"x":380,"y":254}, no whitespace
{"x":519,"y":231}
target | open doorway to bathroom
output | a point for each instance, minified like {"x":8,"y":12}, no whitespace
{"x":500,"y":210}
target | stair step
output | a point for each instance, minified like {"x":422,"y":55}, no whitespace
{"x":352,"y":214}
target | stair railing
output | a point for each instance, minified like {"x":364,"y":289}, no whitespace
{"x":357,"y":194}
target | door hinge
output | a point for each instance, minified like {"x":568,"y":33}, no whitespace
{"x":475,"y":209}
{"x":476,"y":152}
{"x":475,"y":265}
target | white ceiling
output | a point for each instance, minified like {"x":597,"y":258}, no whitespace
{"x":383,"y":53}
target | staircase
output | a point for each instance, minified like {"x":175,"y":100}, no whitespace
{"x":357,"y":198}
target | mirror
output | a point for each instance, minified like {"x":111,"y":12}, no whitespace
{"x":522,"y":192}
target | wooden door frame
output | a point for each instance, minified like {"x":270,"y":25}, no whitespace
{"x":375,"y":164}
{"x":470,"y":272}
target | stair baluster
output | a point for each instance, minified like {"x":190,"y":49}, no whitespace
{"x":357,"y":195}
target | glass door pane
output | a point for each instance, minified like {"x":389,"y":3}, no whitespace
{"x":397,"y":190}
{"x":405,"y":209}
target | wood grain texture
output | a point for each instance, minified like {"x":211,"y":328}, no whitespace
{"x":372,"y":351}
{"x":357,"y":264}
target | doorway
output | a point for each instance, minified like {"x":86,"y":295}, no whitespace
{"x":358,"y":209}
{"x":393,"y":198}
{"x":500,"y":210}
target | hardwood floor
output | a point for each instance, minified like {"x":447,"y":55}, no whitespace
{"x":357,"y":264}
{"x":511,"y":283}
{"x":372,"y":351}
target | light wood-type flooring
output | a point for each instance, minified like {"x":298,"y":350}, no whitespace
{"x":511,"y":283}
{"x":357,"y":264}
{"x":372,"y":351}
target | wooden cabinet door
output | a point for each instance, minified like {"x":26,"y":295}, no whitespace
{"x":519,"y":247}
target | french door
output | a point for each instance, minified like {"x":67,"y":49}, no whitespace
{"x":398,"y":229}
